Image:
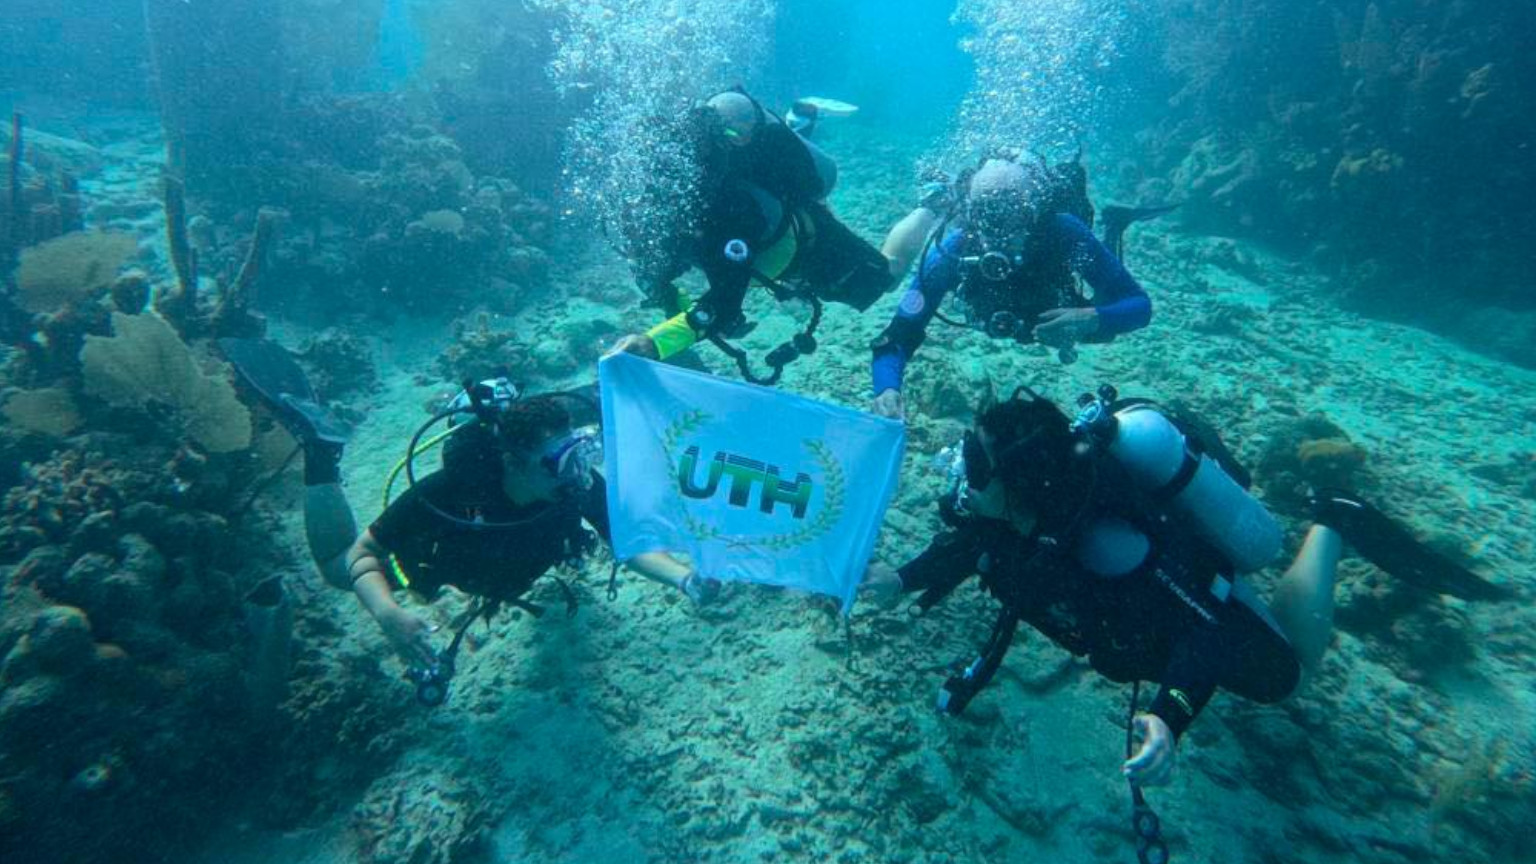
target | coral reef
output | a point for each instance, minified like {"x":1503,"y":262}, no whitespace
{"x":340,"y":365}
{"x":50,"y":411}
{"x":41,"y":197}
{"x":1309,"y":453}
{"x":479,"y":350}
{"x":1355,"y":130}
{"x":75,"y":268}
{"x":145,"y":364}
{"x":121,"y":689}
{"x":427,"y":814}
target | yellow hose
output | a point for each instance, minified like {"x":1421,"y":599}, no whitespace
{"x":389,"y":485}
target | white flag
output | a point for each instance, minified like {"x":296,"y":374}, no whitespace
{"x":753,"y":484}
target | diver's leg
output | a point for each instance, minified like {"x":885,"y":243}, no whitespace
{"x":1303,"y":602}
{"x":906,"y":240}
{"x":329,"y":525}
{"x":272,"y":377}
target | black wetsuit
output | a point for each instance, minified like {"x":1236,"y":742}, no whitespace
{"x":1158,"y":622}
{"x":769,"y":195}
{"x":491,"y":562}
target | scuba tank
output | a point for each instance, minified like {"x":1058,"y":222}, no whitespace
{"x":1163,"y":462}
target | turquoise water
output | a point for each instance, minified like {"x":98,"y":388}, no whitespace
{"x":443,"y":191}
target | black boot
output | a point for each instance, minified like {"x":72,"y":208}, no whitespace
{"x":322,"y":435}
{"x":1390,"y":546}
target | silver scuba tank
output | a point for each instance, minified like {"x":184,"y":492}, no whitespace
{"x":1159,"y":460}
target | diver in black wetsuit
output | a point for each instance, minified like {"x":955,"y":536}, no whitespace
{"x":1062,"y":536}
{"x":507,"y":506}
{"x":518,"y":479}
{"x":760,"y":215}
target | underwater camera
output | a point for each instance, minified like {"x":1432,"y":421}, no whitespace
{"x":432,"y":680}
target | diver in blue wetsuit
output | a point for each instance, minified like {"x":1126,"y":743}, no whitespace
{"x":1011,"y":250}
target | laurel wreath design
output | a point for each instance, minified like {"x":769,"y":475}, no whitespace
{"x":834,"y":494}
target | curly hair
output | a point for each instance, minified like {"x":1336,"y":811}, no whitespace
{"x":475,"y":451}
{"x":531,"y":421}
{"x":1035,"y":458}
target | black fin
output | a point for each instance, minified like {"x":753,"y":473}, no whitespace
{"x":1387,"y":544}
{"x":271,"y":374}
{"x":1118,"y":219}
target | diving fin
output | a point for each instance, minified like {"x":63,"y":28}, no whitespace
{"x":806,"y":112}
{"x":271,"y":373}
{"x":1118,"y":219}
{"x":828,"y":107}
{"x":1390,"y":546}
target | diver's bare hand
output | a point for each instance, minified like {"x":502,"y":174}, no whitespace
{"x":638,"y":344}
{"x":1060,"y":328}
{"x":410,"y":634}
{"x":888,"y":404}
{"x":1153,"y":763}
{"x":881,"y":585}
{"x":699,"y":589}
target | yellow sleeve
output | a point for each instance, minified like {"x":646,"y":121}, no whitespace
{"x":672,"y":336}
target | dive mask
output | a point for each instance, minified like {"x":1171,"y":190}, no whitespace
{"x":1000,"y":222}
{"x":965,"y":461}
{"x":573,"y":458}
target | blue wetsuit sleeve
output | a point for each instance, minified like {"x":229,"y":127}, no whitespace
{"x":1123,"y":305}
{"x":937,"y":275}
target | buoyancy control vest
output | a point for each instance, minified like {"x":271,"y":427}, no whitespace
{"x":1003,"y":292}
{"x":1161,"y":497}
{"x":1036,"y":280}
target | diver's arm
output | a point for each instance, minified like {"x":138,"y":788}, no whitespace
{"x":670,"y":337}
{"x":655,"y":566}
{"x":677,"y":334}
{"x":938,"y":274}
{"x":1187,"y":686}
{"x":949,"y":560}
{"x":1190,"y":679}
{"x":661,"y":568}
{"x":907,"y":238}
{"x":366,"y":559}
{"x":1119,"y":300}
{"x":408,"y":632}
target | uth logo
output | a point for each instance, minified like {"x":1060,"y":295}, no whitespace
{"x":745,"y":474}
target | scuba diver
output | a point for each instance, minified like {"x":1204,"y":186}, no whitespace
{"x":760,"y":215}
{"x":1120,"y":535}
{"x":518,"y":477}
{"x":1008,"y":239}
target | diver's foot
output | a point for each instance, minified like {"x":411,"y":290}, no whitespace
{"x":802,"y":117}
{"x":1387,"y":544}
{"x":274,"y":378}
{"x":323,"y":437}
